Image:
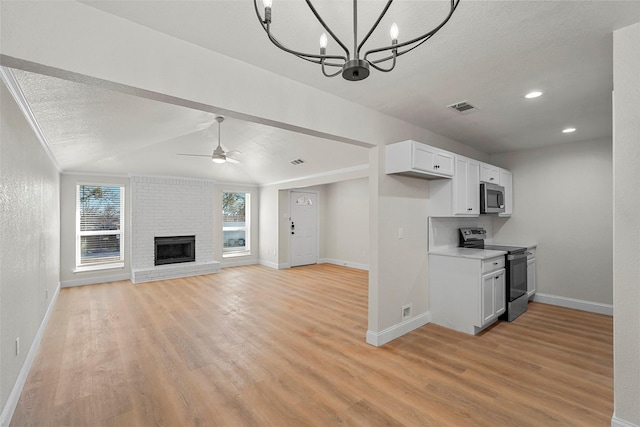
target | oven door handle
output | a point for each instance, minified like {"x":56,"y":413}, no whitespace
{"x":516,"y":257}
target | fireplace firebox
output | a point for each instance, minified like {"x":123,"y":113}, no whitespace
{"x":174,"y":249}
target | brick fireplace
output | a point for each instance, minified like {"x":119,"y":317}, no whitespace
{"x":177,"y":208}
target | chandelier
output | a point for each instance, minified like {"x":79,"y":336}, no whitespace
{"x":352,"y":65}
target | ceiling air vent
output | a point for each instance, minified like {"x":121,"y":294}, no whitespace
{"x":463,"y":107}
{"x":297,"y":162}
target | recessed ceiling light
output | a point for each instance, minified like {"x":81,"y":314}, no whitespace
{"x":534,"y":94}
{"x":568,"y":130}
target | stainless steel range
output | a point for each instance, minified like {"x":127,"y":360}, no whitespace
{"x":515,"y":264}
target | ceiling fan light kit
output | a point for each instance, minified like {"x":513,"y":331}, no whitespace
{"x":351,"y":64}
{"x":218,"y":155}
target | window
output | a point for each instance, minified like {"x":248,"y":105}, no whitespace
{"x":235,"y":223}
{"x":99,"y":238}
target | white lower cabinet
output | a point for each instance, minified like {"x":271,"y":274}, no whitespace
{"x":466,"y":294}
{"x":531,"y":272}
{"x":493,"y":295}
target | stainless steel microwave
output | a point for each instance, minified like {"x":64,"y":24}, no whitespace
{"x":491,"y":198}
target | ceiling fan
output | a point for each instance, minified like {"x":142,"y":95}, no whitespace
{"x":219,"y":154}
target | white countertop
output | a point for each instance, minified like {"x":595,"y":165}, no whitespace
{"x":528,"y":246}
{"x":467,"y":253}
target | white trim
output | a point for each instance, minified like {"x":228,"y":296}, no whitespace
{"x":269,"y":264}
{"x":98,"y":267}
{"x":94,"y":280}
{"x":275,"y":265}
{"x":359,"y":266}
{"x":617,"y":422}
{"x":239,"y":263}
{"x":380,"y":338}
{"x":9,"y":79}
{"x":578,"y":304}
{"x":16,"y":391}
{"x":320,"y":175}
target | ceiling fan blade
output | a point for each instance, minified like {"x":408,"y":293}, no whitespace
{"x":194,"y":155}
{"x":232,"y":152}
{"x":230,"y":160}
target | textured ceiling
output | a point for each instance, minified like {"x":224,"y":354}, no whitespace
{"x":491,"y":53}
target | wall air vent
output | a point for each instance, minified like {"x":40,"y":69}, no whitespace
{"x":463,"y":107}
{"x":297,"y":162}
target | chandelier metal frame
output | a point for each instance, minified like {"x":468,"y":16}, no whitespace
{"x":353,"y":67}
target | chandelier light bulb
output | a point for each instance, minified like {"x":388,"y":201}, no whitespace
{"x":267,"y":3}
{"x":323,"y":41}
{"x":393,"y":32}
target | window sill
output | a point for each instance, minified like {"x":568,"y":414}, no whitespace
{"x":236,"y":254}
{"x":110,"y":266}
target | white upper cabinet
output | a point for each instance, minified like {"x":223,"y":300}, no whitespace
{"x":506,"y":180}
{"x":420,"y":160}
{"x":459,"y":196}
{"x":489,"y":173}
{"x":466,"y":186}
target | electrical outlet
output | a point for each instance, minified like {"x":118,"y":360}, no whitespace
{"x":400,"y":233}
{"x":406,"y":311}
{"x":17,"y":346}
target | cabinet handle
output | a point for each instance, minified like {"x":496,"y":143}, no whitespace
{"x":497,"y":277}
{"x":495,"y":263}
{"x":490,"y":179}
{"x":469,"y":209}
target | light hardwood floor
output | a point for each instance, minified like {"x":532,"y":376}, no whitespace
{"x":253,"y":346}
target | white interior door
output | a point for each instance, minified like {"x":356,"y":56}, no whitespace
{"x":303,"y":226}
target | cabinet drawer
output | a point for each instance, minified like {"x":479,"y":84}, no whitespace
{"x":492,"y":264}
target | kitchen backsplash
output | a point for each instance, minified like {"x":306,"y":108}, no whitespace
{"x":443,"y":232}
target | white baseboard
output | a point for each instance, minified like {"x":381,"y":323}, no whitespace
{"x":344,"y":263}
{"x":94,"y":280}
{"x":578,"y":304}
{"x":617,"y":422}
{"x":269,"y":264}
{"x":16,"y":391}
{"x":380,"y":338}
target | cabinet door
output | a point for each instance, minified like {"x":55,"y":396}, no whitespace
{"x":444,"y":163}
{"x":473,"y":187}
{"x":466,"y":183}
{"x":487,"y":303}
{"x":460,"y":187}
{"x":506,"y":180}
{"x":489,"y":173}
{"x":531,"y":277}
{"x":500,"y":295}
{"x":424,"y":158}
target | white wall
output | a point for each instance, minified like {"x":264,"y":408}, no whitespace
{"x":563,"y":202}
{"x":345,"y":223}
{"x":397,"y":267}
{"x":30,"y":250}
{"x":68,"y":277}
{"x":626,"y":178}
